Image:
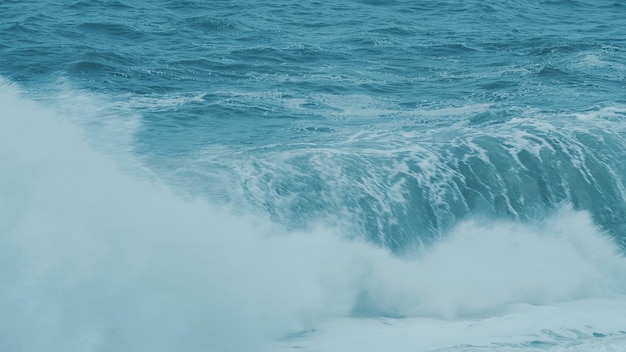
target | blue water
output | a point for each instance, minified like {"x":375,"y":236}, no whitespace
{"x":390,"y":122}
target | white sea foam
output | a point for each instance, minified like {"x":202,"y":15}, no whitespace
{"x":96,"y":260}
{"x":582,"y":325}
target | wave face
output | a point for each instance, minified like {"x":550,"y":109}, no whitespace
{"x":406,"y":186}
{"x":177,"y":175}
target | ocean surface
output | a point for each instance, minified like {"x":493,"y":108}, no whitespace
{"x":312,"y":175}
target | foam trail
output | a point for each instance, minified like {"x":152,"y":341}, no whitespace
{"x":96,"y":260}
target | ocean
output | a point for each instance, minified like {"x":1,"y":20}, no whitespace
{"x":356,"y":175}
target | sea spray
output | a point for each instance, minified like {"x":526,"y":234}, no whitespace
{"x":98,"y":260}
{"x":95,"y":259}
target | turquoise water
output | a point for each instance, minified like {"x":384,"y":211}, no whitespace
{"x":387,"y":124}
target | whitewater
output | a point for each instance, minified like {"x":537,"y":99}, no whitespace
{"x":323,"y":176}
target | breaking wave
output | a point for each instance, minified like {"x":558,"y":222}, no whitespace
{"x":97,"y":257}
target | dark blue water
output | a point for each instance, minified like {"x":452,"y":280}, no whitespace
{"x":392,"y":121}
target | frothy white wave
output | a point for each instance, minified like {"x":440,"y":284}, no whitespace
{"x":94,"y":259}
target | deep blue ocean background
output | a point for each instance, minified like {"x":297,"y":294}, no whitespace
{"x":390,"y":121}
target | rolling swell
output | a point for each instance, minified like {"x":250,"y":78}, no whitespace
{"x":409,"y":187}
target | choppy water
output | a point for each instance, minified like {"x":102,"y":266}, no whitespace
{"x":192,"y":175}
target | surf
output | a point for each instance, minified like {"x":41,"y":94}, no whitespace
{"x":98,"y":257}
